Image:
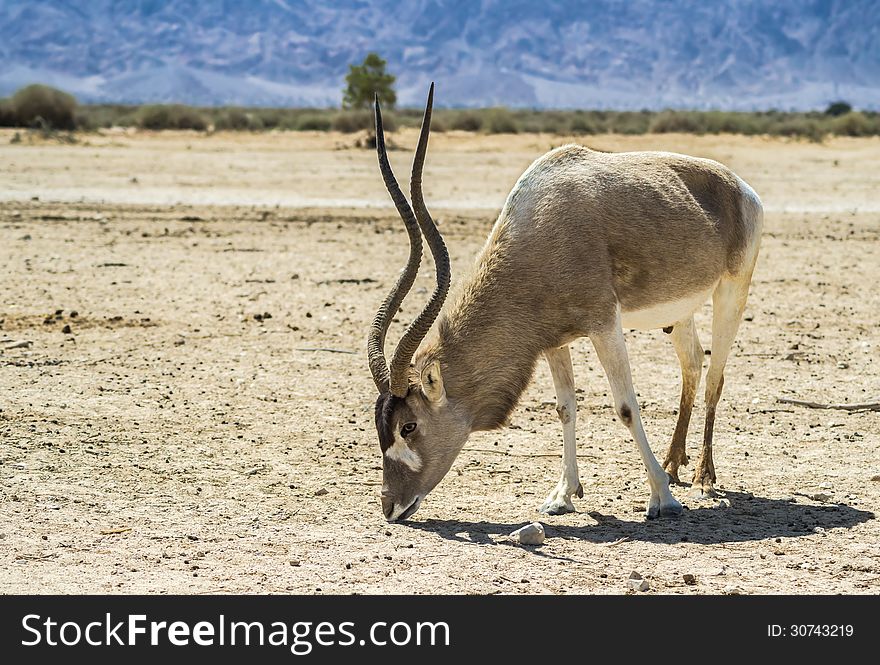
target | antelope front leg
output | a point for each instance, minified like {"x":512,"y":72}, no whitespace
{"x":559,"y":500}
{"x":611,"y":349}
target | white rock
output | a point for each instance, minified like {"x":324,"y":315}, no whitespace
{"x":530,"y":534}
{"x":637,"y":582}
{"x":722,"y":503}
{"x":731,"y":590}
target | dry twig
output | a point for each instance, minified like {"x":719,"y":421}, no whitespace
{"x":865,"y":406}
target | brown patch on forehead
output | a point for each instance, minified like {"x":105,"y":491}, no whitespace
{"x":386,"y":405}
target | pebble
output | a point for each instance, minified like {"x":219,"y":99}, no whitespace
{"x":530,"y":534}
{"x":321,"y":492}
{"x":722,"y":503}
{"x":637,"y":582}
{"x":818,"y":529}
{"x":731,"y":590}
{"x":819,"y":496}
{"x":66,"y":330}
{"x":689,"y":579}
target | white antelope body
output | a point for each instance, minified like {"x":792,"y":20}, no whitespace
{"x":588,"y":243}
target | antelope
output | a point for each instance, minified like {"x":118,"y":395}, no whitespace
{"x":588,"y":243}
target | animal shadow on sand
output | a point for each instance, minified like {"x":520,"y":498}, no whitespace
{"x":748,"y":518}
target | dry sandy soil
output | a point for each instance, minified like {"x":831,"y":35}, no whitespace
{"x":166,"y":440}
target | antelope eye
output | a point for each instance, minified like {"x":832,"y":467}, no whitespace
{"x":407,"y":429}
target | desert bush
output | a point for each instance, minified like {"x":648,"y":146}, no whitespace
{"x":582,"y":123}
{"x":801,"y":127}
{"x":172,"y":116}
{"x":314,"y":122}
{"x":628,"y":122}
{"x":676,"y":121}
{"x":45,"y":107}
{"x":96,"y":116}
{"x":355,"y":121}
{"x":854,"y":124}
{"x":500,"y":121}
{"x":7,"y":114}
{"x":233,"y":120}
{"x":467,"y":121}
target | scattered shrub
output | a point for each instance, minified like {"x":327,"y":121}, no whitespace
{"x":355,"y":121}
{"x":314,"y":123}
{"x":500,"y":121}
{"x":854,"y":124}
{"x":7,"y":114}
{"x":467,"y":121}
{"x":172,"y":116}
{"x":808,"y":128}
{"x":234,"y":120}
{"x":584,"y":124}
{"x":675,"y":121}
{"x":43,"y":107}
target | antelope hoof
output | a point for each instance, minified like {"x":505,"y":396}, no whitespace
{"x":670,"y":466}
{"x":559,"y":502}
{"x":671,"y":508}
{"x":702,"y":491}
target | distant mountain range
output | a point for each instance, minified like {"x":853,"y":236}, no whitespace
{"x":625,"y":54}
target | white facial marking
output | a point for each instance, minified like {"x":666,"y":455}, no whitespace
{"x":400,"y":452}
{"x":399,"y":510}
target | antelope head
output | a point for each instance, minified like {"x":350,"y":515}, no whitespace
{"x":419,"y":432}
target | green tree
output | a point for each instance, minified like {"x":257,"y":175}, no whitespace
{"x":838,"y":108}
{"x":367,"y":79}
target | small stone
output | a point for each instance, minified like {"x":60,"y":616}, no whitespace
{"x":637,"y":582}
{"x":74,"y":314}
{"x":530,"y":534}
{"x":638,"y":507}
{"x":722,"y":503}
{"x":689,"y":579}
{"x":820,"y":496}
{"x":876,"y":478}
{"x":842,"y":365}
{"x":818,"y":529}
{"x":321,"y":492}
{"x":294,"y":562}
{"x":66,"y":330}
{"x":731,"y":590}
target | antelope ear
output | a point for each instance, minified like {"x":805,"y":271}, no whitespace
{"x":432,"y":383}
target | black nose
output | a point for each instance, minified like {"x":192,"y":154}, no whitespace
{"x":387,"y":506}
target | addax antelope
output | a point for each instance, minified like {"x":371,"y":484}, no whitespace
{"x":587,"y":244}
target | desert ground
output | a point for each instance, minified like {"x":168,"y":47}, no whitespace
{"x":185,"y":404}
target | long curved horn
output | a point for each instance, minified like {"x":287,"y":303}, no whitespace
{"x":379,"y":328}
{"x":419,"y":328}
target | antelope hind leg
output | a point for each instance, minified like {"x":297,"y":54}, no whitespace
{"x":559,"y":500}
{"x":690,"y":356}
{"x":728,"y":304}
